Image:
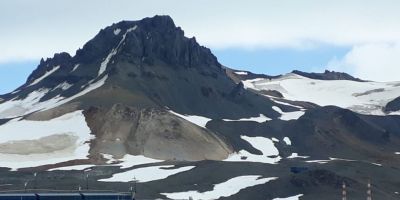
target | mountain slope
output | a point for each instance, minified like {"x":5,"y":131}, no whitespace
{"x":362,"y":97}
{"x":139,"y":71}
{"x":142,"y":100}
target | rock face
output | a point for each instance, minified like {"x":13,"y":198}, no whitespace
{"x":146,"y":63}
{"x":237,"y":75}
{"x":328,"y":75}
{"x":393,"y":105}
{"x":153,"y":133}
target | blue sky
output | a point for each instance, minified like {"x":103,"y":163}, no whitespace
{"x":360,"y":37}
{"x":279,"y":60}
{"x":15,"y":74}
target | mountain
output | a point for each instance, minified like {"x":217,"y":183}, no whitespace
{"x":141,"y":100}
{"x":327,"y":75}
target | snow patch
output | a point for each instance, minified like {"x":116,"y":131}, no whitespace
{"x":287,"y":141}
{"x":274,"y":139}
{"x":63,"y":86}
{"x":75,"y":67}
{"x":290,"y":198}
{"x":147,"y":174}
{"x":74,"y":167}
{"x":241,"y":73}
{"x":260,"y":119}
{"x":286,"y":116}
{"x":130,"y":160}
{"x":14,"y":108}
{"x":89,"y":88}
{"x":377,"y":164}
{"x":45,"y":75}
{"x":198,"y":120}
{"x":117,"y":31}
{"x":318,"y":161}
{"x":296,"y":155}
{"x":225,"y":189}
{"x":270,"y":153}
{"x":284,"y":103}
{"x":330,"y":159}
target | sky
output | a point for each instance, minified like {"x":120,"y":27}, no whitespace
{"x":360,"y":37}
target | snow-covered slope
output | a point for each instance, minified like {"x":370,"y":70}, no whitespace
{"x":32,"y":103}
{"x":26,"y":143}
{"x":361,"y":97}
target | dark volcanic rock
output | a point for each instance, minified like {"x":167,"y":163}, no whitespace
{"x":328,"y":75}
{"x":393,"y":105}
{"x":154,"y":39}
{"x":59,"y":59}
{"x":324,"y":132}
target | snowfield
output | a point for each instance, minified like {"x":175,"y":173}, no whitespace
{"x":225,"y":189}
{"x":361,"y":97}
{"x":270,"y":153}
{"x":16,"y":108}
{"x":147,"y":174}
{"x":25,"y":143}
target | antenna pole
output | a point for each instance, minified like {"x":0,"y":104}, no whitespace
{"x":133,"y":189}
{"x":369,"y":192}
{"x":344,"y":192}
{"x":87,"y":181}
{"x":34,"y":180}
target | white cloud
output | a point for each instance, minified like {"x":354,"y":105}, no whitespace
{"x":32,"y":29}
{"x":377,"y":61}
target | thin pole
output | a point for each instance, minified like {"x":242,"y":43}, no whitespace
{"x":344,"y":192}
{"x":87,"y":181}
{"x":34,"y":180}
{"x":25,"y":185}
{"x":134,"y":189}
{"x":369,"y":192}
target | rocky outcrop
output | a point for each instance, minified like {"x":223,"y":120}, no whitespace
{"x":328,"y":75}
{"x":393,"y":105}
{"x":153,"y":133}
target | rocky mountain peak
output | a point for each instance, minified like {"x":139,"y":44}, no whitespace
{"x":148,"y":41}
{"x":58,"y":59}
